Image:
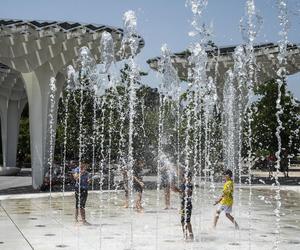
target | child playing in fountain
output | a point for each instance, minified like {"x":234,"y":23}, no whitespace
{"x":82,"y":179}
{"x":226,"y":200}
{"x":124,"y":171}
{"x":138,"y":184}
{"x":186,"y":191}
{"x":168,"y":175}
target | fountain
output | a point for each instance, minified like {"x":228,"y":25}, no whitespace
{"x":202,"y":129}
{"x":236,"y":94}
{"x":197,"y":147}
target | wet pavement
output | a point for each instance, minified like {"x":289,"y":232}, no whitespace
{"x":34,"y":221}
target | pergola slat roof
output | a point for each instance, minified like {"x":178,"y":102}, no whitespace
{"x":222,"y":57}
{"x":62,"y":26}
{"x":31,"y":43}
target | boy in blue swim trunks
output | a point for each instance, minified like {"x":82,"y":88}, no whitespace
{"x":82,"y":179}
{"x":186,"y":191}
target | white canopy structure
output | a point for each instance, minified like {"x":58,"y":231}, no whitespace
{"x":32,"y":52}
{"x":220,"y":60}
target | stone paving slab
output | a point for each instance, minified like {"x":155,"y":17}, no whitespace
{"x":49,"y":225}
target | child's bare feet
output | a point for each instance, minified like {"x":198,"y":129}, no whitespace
{"x":139,"y":209}
{"x":85,"y":223}
{"x":191,"y":237}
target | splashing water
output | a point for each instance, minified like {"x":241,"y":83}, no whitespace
{"x":130,"y":38}
{"x":107,"y":48}
{"x":249,"y":33}
{"x":240,"y":75}
{"x":199,"y":98}
{"x":66,"y":105}
{"x":170,"y":82}
{"x":51,"y":121}
{"x":281,"y":73}
{"x":197,"y":7}
{"x":229,"y":121}
{"x":130,"y":33}
{"x":93,"y":77}
{"x":199,"y":144}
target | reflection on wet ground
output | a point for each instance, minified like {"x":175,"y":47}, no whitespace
{"x":34,"y":223}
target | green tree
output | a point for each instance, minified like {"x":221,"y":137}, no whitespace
{"x":265,"y":122}
{"x":109,"y":116}
{"x":23,"y":150}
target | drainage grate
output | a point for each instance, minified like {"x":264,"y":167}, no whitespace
{"x":233,"y":244}
{"x":40,"y":225}
{"x":49,"y":234}
{"x":294,"y":242}
{"x":62,"y":246}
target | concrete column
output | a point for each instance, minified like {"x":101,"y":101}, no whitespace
{"x":11,"y":111}
{"x":3,"y":113}
{"x":14,"y":112}
{"x":37,"y":88}
{"x":35,"y":104}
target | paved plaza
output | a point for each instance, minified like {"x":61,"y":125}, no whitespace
{"x":34,"y":221}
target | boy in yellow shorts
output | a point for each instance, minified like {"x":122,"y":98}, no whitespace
{"x":226,"y":200}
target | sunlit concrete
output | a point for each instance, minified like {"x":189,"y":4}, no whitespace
{"x":33,"y":221}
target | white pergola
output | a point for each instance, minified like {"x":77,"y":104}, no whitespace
{"x":32,"y":52}
{"x":220,"y":60}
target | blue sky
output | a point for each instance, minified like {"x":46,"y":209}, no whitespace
{"x":162,"y":21}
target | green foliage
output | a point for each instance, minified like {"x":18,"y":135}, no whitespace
{"x":111,"y":121}
{"x":23,"y":150}
{"x":265,"y":123}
